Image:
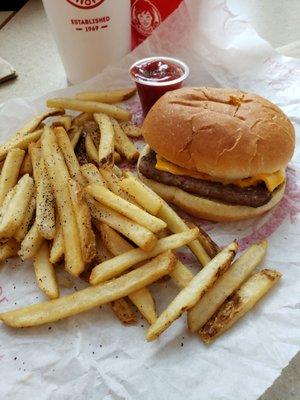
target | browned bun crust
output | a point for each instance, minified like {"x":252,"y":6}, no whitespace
{"x":201,"y":207}
{"x":225,"y":133}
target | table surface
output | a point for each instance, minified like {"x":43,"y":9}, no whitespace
{"x":27,"y":43}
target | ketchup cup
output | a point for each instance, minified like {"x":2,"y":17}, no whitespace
{"x":154,"y":76}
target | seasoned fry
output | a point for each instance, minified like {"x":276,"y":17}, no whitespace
{"x":20,"y":142}
{"x":239,"y":303}
{"x":123,"y":311}
{"x":141,"y":236}
{"x":59,"y":176}
{"x":35,"y":123}
{"x":84,"y":300}
{"x":10,"y":171}
{"x":45,"y":208}
{"x":112,"y":96}
{"x":142,"y":299}
{"x":26,"y":167}
{"x":69,"y":155}
{"x":193,"y":292}
{"x":24,"y":227}
{"x":6,"y":202}
{"x":211,"y":248}
{"x":114,"y":267}
{"x":58,"y":246}
{"x":225,"y":286}
{"x":81,"y":119}
{"x":64,"y":121}
{"x":74,"y":135}
{"x":91,"y":149}
{"x":31,"y":243}
{"x":17,"y":208}
{"x":176,"y":224}
{"x":84,"y":222}
{"x":44,"y":272}
{"x":141,"y":194}
{"x":92,"y":174}
{"x":130,"y":129}
{"x":129,"y":210}
{"x":90,"y":107}
{"x":117,"y":171}
{"x":124,"y":145}
{"x":106,"y":146}
{"x":9,"y":249}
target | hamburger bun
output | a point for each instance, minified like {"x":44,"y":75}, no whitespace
{"x":225,"y":133}
{"x":204,"y":208}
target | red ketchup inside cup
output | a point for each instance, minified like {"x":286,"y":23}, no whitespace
{"x":154,"y":76}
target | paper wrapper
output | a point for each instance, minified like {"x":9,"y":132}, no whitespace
{"x":92,"y":356}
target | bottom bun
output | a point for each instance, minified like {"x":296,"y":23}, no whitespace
{"x":209,"y":209}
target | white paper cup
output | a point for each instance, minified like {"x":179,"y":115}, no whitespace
{"x":90,"y":34}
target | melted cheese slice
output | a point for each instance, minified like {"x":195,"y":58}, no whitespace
{"x":272,"y":181}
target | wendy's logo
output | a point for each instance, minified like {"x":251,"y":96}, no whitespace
{"x":145,"y":17}
{"x":87,"y":4}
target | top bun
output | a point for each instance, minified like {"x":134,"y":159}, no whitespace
{"x":225,"y":133}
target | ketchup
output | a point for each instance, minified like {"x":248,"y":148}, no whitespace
{"x":154,"y":76}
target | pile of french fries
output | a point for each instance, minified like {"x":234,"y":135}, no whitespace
{"x":104,"y":225}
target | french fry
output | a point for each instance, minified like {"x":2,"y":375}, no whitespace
{"x":31,"y":243}
{"x":6,"y":202}
{"x":9,"y":249}
{"x":117,"y":265}
{"x":111,"y":96}
{"x":19,"y":142}
{"x":124,"y":145}
{"x":239,"y":304}
{"x":64,"y":121}
{"x":141,"y":194}
{"x":117,"y":157}
{"x":176,"y":224}
{"x":35,"y":123}
{"x":141,"y":236}
{"x":91,"y":149}
{"x":84,"y":223}
{"x":123,"y":311}
{"x":225,"y":286}
{"x":90,"y":107}
{"x":92,"y":174}
{"x":17,"y":208}
{"x":112,"y":239}
{"x":84,"y":300}
{"x":58,"y":245}
{"x":106,"y":146}
{"x":211,"y":248}
{"x":113,"y":184}
{"x":130,"y":129}
{"x":45,"y":208}
{"x":44,"y":272}
{"x":142,"y":299}
{"x":81,"y":119}
{"x":59,"y":176}
{"x":181,"y":274}
{"x":10,"y":171}
{"x":26,"y":167}
{"x":74,"y":135}
{"x":69,"y":155}
{"x":129,"y":210}
{"x":117,"y":171}
{"x":193,"y":292}
{"x":24,"y":227}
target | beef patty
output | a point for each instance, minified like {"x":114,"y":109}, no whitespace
{"x":253,"y":196}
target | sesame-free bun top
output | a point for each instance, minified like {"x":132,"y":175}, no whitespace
{"x":225,"y":133}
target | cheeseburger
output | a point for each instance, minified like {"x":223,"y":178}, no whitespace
{"x":218,"y":154}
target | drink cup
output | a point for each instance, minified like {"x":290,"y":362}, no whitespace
{"x":90,"y":34}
